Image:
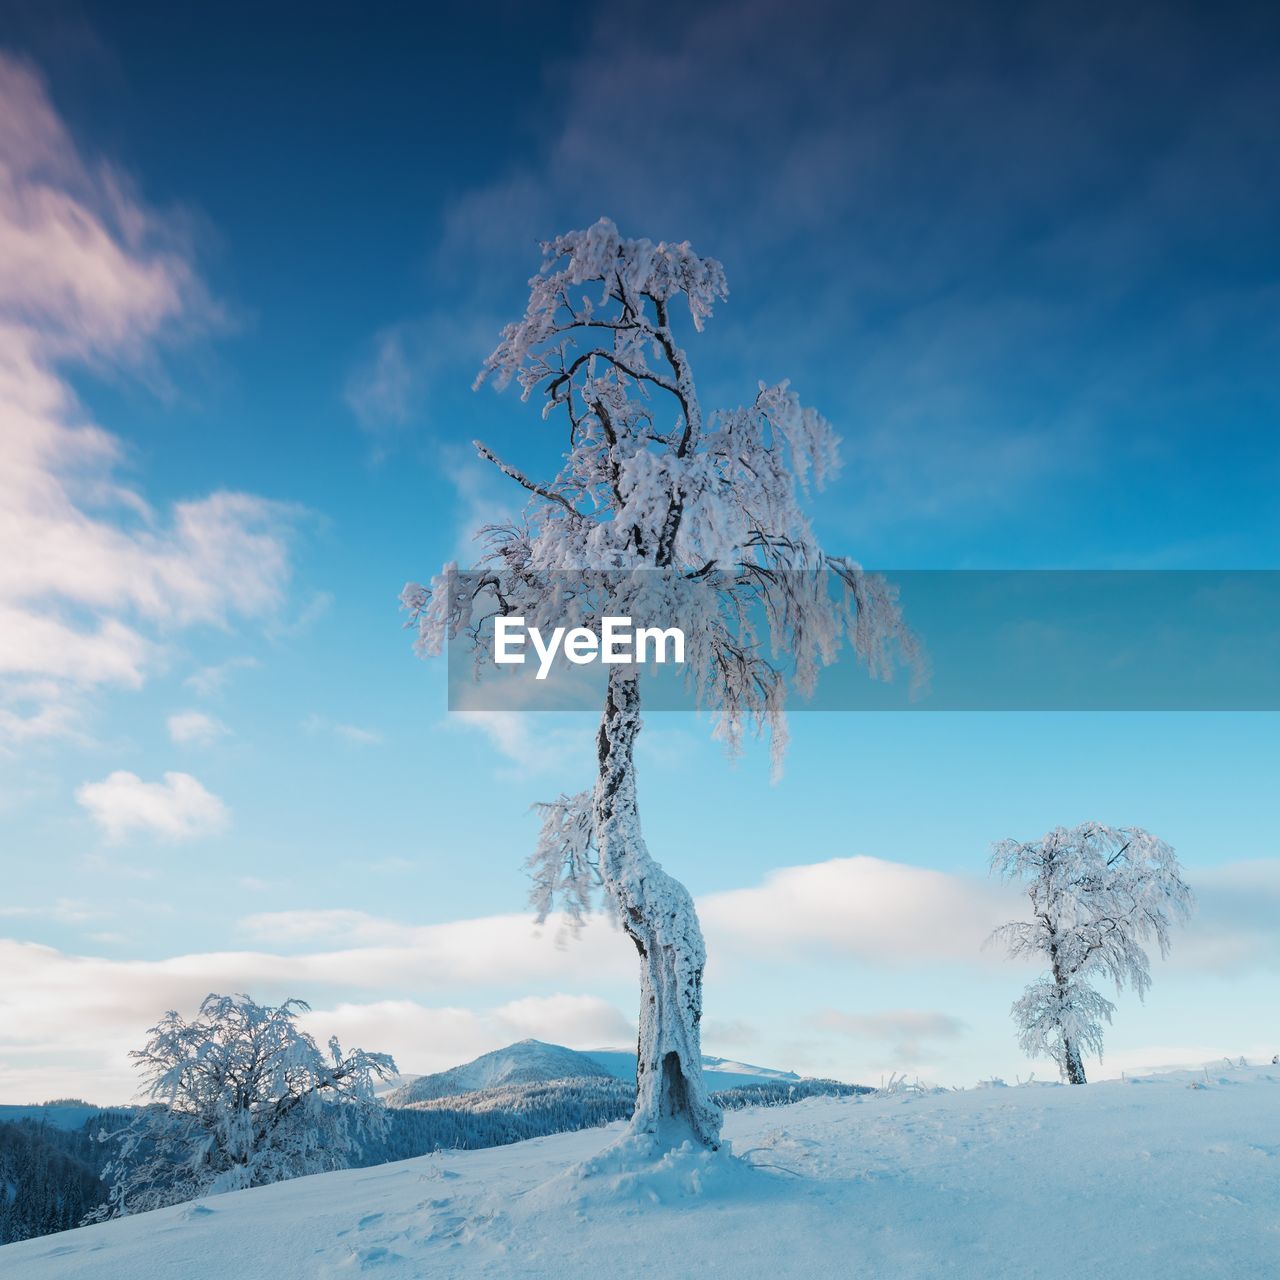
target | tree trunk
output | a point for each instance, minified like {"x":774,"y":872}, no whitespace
{"x":658,"y":914}
{"x":1071,"y":1065}
{"x":1074,"y":1064}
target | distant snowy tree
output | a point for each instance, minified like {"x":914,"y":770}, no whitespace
{"x":710,"y":505}
{"x":1097,"y":895}
{"x":241,"y":1097}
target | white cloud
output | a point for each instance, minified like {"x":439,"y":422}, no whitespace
{"x":89,"y":571}
{"x":61,"y":910}
{"x":360,"y":736}
{"x":195,"y":728}
{"x":387,"y":866}
{"x":526,"y":740}
{"x":891,"y":913}
{"x":380,"y":392}
{"x":33,"y":645}
{"x":375,"y":976}
{"x":902,"y":1030}
{"x":581,"y":1022}
{"x":67,"y":1022}
{"x":302,"y":620}
{"x":484,"y":497}
{"x":179,"y":808}
{"x":369,"y":951}
{"x":38,"y":709}
{"x":419,"y":1037}
{"x":210,"y":681}
{"x":880,"y":911}
{"x":507,"y":731}
{"x":405,"y":363}
{"x":334,"y":925}
{"x":353,"y":733}
{"x":423,"y":1038}
{"x":1233,"y":927}
{"x":256,"y":884}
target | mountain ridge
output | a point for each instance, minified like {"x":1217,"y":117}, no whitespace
{"x":533,"y":1061}
{"x":524,"y":1062}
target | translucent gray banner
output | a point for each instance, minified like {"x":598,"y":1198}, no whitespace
{"x":993,"y":640}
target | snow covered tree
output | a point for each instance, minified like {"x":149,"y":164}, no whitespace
{"x":241,"y":1097}
{"x":1097,"y":895}
{"x":668,"y":515}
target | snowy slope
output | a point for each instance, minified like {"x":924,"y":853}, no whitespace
{"x":1149,"y":1178}
{"x":528,"y":1062}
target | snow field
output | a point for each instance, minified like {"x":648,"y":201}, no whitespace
{"x":1167,"y":1176}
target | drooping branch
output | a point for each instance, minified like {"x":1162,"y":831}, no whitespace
{"x":563,"y":866}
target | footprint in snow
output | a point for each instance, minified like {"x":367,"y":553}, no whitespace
{"x":373,"y":1256}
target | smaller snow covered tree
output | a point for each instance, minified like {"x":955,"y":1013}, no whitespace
{"x":1097,"y":895}
{"x":242,"y":1097}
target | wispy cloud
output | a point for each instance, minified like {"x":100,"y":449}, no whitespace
{"x":949,"y":264}
{"x":61,"y":910}
{"x":195,"y":728}
{"x":178,"y":808}
{"x":210,"y":681}
{"x":89,"y":570}
{"x":408,"y":364}
{"x":356,"y":734}
{"x":525,"y":740}
{"x":903,"y":1031}
{"x":380,"y":392}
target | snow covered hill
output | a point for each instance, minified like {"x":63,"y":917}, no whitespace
{"x":535,"y":1062}
{"x":527,"y":1062}
{"x":1171,"y":1176}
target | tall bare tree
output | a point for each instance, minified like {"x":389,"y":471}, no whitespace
{"x":697,"y":520}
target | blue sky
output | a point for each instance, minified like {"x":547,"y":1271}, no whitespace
{"x":1024,"y":259}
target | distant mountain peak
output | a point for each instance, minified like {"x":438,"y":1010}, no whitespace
{"x":525,"y":1062}
{"x":538,"y":1062}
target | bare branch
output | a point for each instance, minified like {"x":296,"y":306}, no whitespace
{"x":521,"y":479}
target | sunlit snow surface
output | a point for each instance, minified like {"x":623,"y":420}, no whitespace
{"x":1171,"y":1176}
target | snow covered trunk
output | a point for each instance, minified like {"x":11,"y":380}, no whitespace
{"x":1071,"y":1065}
{"x":658,"y":914}
{"x":1074,"y":1064}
